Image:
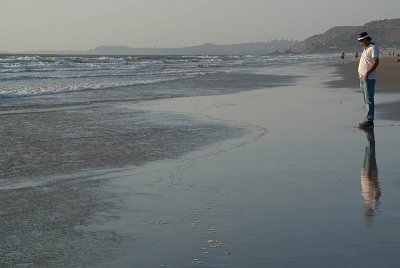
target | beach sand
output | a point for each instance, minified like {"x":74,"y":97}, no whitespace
{"x":388,"y":82}
{"x":298,"y":189}
{"x":387,"y":75}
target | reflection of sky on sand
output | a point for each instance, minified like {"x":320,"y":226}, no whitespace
{"x":370,"y":188}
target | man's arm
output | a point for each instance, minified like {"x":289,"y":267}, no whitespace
{"x":373,"y":67}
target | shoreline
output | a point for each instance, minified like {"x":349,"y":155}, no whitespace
{"x":387,"y":82}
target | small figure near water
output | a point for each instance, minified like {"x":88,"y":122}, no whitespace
{"x":342,"y":56}
{"x":356,"y":54}
{"x":398,"y":58}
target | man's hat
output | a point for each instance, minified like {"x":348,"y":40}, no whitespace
{"x":363,"y":36}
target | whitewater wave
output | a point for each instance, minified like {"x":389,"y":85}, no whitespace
{"x":30,"y":91}
{"x":33,"y":75}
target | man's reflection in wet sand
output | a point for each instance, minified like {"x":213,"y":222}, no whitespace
{"x":370,"y":189}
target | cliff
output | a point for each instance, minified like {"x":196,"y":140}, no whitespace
{"x":386,"y":33}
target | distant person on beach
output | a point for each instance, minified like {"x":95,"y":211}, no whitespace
{"x":398,"y":58}
{"x":342,"y":56}
{"x":369,"y":60}
{"x":356,"y":54}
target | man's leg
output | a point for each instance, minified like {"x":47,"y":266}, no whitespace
{"x":368,"y":90}
{"x":369,"y":100}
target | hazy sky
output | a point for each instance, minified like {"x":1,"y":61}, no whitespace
{"x":84,"y":24}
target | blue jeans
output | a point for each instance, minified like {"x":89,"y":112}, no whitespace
{"x":368,"y":88}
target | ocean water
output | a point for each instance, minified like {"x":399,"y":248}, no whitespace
{"x":61,"y":114}
{"x":41,"y":75}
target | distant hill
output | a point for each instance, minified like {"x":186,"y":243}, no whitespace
{"x":386,"y":33}
{"x":205,"y":49}
{"x":273,"y":46}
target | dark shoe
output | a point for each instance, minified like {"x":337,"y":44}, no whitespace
{"x":366,"y":125}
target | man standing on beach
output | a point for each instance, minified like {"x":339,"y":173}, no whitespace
{"x":369,"y":60}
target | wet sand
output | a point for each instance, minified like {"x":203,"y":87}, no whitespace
{"x":303,"y":187}
{"x":315,"y":191}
